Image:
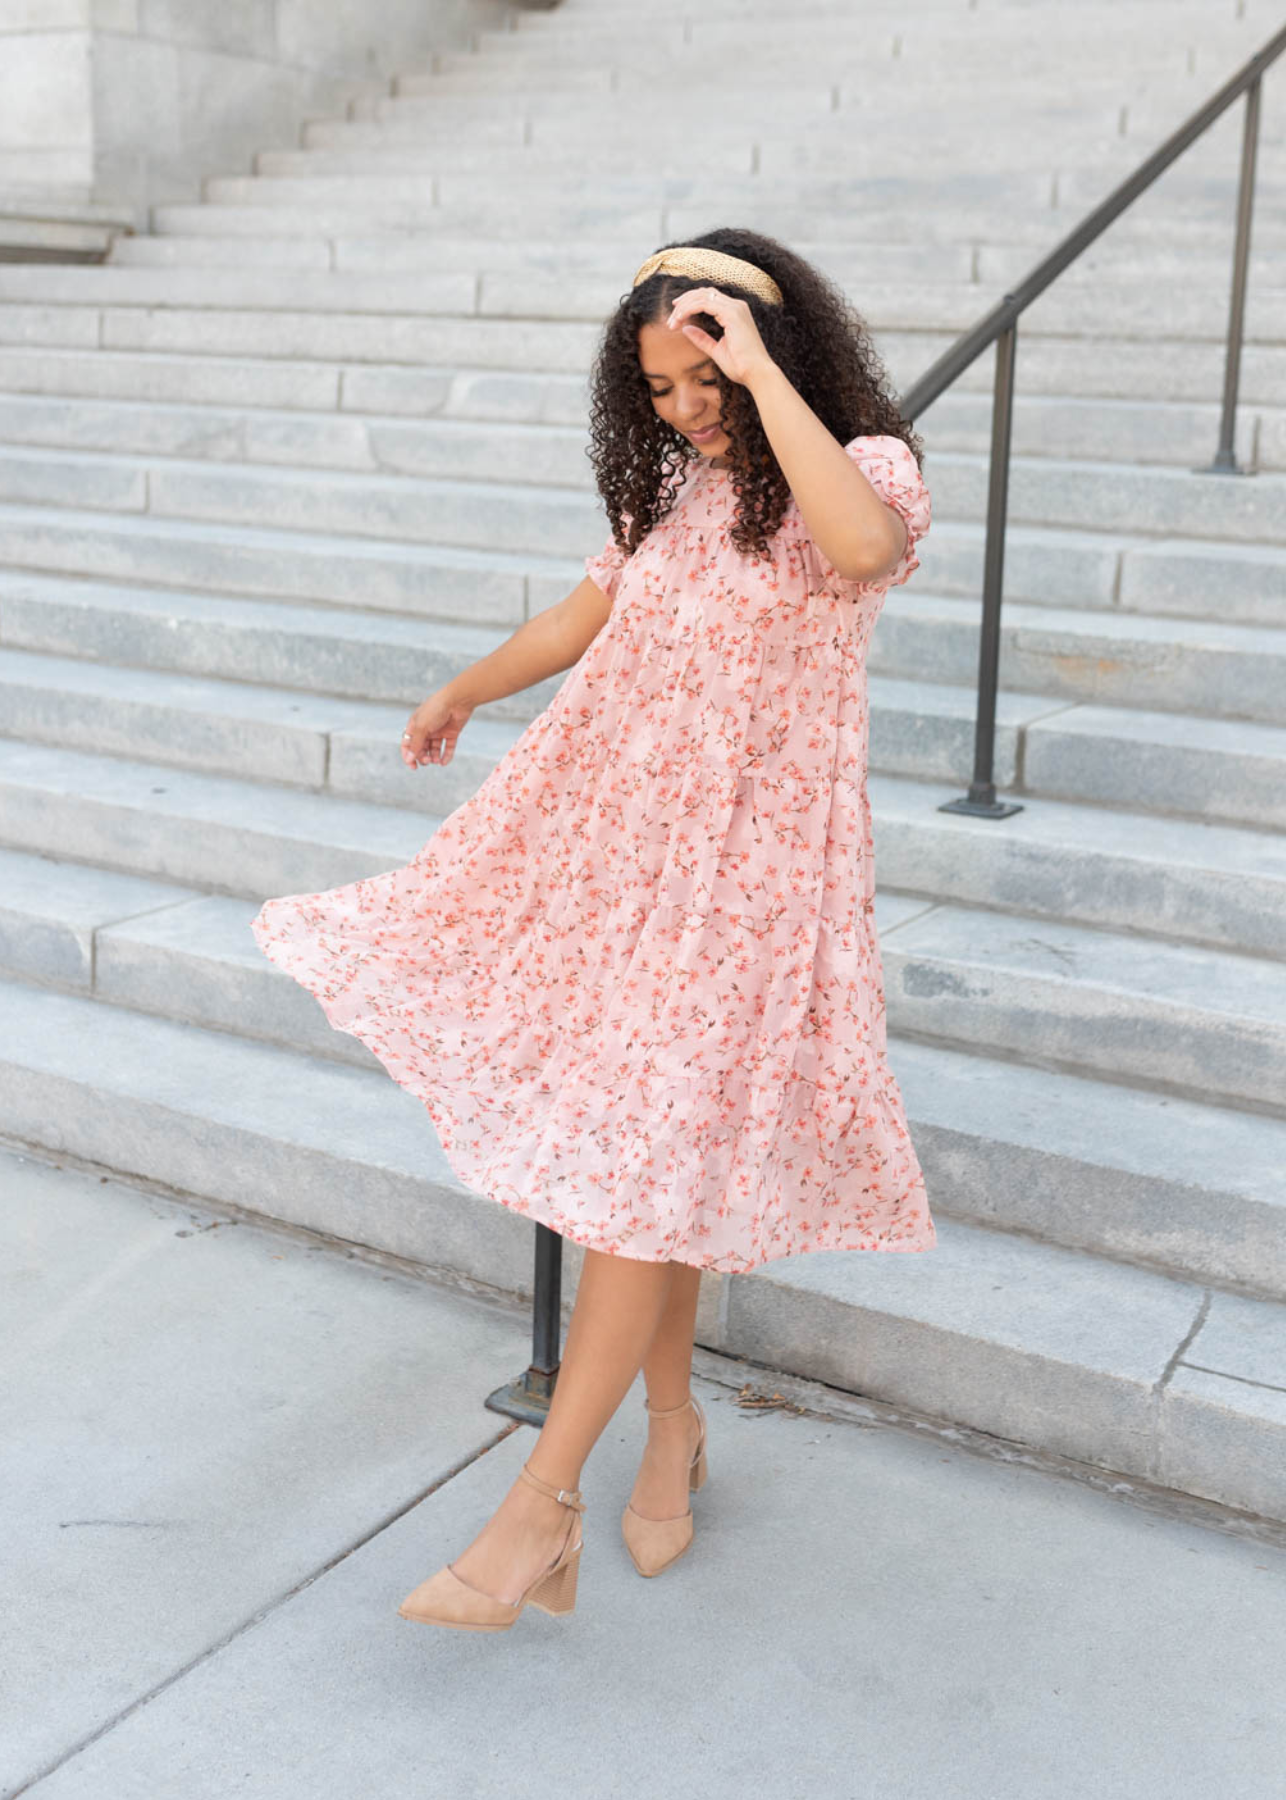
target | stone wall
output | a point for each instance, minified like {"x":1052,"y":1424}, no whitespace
{"x":127,"y":102}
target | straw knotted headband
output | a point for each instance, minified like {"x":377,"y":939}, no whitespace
{"x":711,"y":265}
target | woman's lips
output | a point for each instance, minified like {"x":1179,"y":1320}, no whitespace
{"x":703,"y":436}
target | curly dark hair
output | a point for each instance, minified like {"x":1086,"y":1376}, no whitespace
{"x":815,"y":336}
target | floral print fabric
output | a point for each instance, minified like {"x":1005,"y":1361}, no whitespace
{"x":634,"y":978}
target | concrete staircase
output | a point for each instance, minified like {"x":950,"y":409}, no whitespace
{"x":276,"y":470}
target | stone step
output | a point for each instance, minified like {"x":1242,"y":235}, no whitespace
{"x":56,"y":928}
{"x":992,"y":263}
{"x":1119,"y":124}
{"x":375,"y":657}
{"x":548,"y":467}
{"x":428,"y":292}
{"x":1191,"y":199}
{"x":854,"y":220}
{"x":51,"y":913}
{"x":520,"y":252}
{"x":552,"y":344}
{"x":1221,"y":770}
{"x":463,"y":514}
{"x":181,"y":954}
{"x":1161,"y":664}
{"x":473,"y":447}
{"x":426,"y":581}
{"x":1112,"y":367}
{"x":1105,"y":1168}
{"x":503,"y":586}
{"x":199,"y":380}
{"x":1134,"y":871}
{"x":142,"y":249}
{"x":209,"y":831}
{"x":733,"y":28}
{"x":932,"y":16}
{"x":1177,"y":1384}
{"x":509,"y":447}
{"x":344,"y":747}
{"x":1190,"y":880}
{"x":1142,"y":102}
{"x":1107,"y":496}
{"x":503,"y":159}
{"x":1077,"y":136}
{"x":1103,"y":566}
{"x":800,"y":63}
{"x":1225,"y":771}
{"x":1208,"y":1024}
{"x":1068,"y":148}
{"x":1104,"y":429}
{"x":1163,"y":669}
{"x":935,"y":21}
{"x":1085,"y":308}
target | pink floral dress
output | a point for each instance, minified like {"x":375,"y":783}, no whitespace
{"x":634,"y":978}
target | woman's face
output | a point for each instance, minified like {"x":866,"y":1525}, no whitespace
{"x":684,"y":386}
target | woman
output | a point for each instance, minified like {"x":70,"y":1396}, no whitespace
{"x":635,"y":978}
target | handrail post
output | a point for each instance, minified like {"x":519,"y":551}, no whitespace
{"x":527,"y":1397}
{"x":981,"y":799}
{"x":1225,"y":462}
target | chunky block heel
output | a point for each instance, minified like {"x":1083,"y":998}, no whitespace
{"x":654,"y":1544}
{"x":556,"y":1594}
{"x":446,"y":1599}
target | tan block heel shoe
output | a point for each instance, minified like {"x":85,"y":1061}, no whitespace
{"x":444,"y":1599}
{"x":654,"y":1544}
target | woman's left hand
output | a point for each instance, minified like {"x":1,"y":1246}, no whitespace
{"x":740,"y":352}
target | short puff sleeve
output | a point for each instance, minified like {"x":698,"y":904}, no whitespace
{"x":890,"y":467}
{"x":604,"y":570}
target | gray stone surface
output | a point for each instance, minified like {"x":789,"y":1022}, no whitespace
{"x":1169,"y":877}
{"x":1125,"y":1171}
{"x":1202,"y":1021}
{"x":196,"y":1417}
{"x":99,"y":99}
{"x":1029,"y":1341}
{"x":50,"y":911}
{"x":208,"y":830}
{"x":425,"y":580}
{"x":1230,"y":770}
{"x":289,"y":461}
{"x":285,"y":1441}
{"x":1202,"y":665}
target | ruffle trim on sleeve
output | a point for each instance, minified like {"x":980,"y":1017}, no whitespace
{"x":604,"y":570}
{"x":891,"y":468}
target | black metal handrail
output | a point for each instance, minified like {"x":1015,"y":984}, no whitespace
{"x":1000,"y":327}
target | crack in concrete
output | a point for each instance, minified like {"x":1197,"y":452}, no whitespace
{"x":1272,"y":1387}
{"x":1203,"y":1311}
{"x":257,"y":1617}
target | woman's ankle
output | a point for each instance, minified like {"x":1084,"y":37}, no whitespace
{"x":560,"y":1485}
{"x":659,"y":1405}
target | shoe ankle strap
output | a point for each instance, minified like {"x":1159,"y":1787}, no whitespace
{"x":568,"y":1496}
{"x":667,"y":1412}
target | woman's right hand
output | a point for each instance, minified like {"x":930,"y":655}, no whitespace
{"x":432,"y":729}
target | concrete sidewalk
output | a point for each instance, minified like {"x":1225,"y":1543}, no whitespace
{"x":228,"y":1454}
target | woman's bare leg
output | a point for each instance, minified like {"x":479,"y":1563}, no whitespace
{"x":620,"y":1302}
{"x":661,"y":1489}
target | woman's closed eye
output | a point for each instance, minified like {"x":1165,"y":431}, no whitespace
{"x":660,"y":393}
